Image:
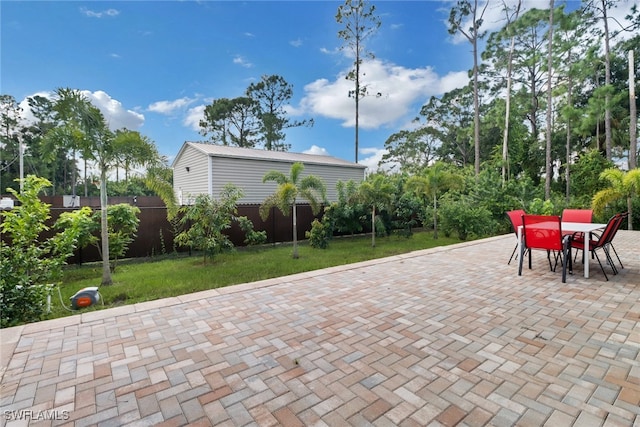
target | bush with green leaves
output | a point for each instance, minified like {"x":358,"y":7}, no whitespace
{"x":206,"y":220}
{"x":348,"y":214}
{"x":252,"y":237}
{"x":466,"y":218}
{"x":30,"y":264}
{"x":408,"y":208}
{"x":122,"y":224}
{"x":541,"y":207}
{"x":319,"y":235}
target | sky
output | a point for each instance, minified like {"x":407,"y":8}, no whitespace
{"x":152,"y":66}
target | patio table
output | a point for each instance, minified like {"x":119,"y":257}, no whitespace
{"x":575,"y":227}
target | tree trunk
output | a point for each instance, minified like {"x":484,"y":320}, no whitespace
{"x":548,"y":169}
{"x":505,"y":138}
{"x":295,"y":232}
{"x":568,"y":151}
{"x":476,"y":108}
{"x":607,"y":82}
{"x":104,"y":231}
{"x":633,"y":114}
{"x":630,"y":211}
{"x":435,"y":217}
{"x":373,"y":227}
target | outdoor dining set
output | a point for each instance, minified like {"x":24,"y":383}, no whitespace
{"x":559,"y":236}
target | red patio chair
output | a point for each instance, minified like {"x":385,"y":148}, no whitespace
{"x":603,"y":241}
{"x":545,"y":232}
{"x":515,"y":217}
{"x":623,"y":218}
{"x":577,"y":215}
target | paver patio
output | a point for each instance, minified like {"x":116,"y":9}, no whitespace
{"x":445,"y":336}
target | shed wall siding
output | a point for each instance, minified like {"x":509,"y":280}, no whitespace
{"x":194,"y":182}
{"x":248,"y":173}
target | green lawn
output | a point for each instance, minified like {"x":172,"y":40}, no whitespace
{"x":149,"y":279}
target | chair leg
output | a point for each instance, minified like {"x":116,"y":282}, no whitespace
{"x":616,"y":253}
{"x":567,"y":262}
{"x":512,"y":254}
{"x":595,"y":254}
{"x":610,"y":260}
{"x":552,"y":267}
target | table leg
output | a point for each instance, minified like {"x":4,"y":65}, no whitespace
{"x":586,"y":254}
{"x":519,"y":248}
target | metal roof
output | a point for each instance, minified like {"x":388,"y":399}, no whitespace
{"x":281,"y":156}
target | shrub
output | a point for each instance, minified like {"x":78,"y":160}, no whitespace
{"x":465,"y":218}
{"x":30,"y":264}
{"x":252,"y":237}
{"x":122,"y":223}
{"x":206,"y":220}
{"x":319,"y":235}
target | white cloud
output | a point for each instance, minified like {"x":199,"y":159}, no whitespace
{"x":393,"y":91}
{"x":296,"y":43}
{"x":116,"y":116}
{"x":494,"y":17}
{"x":329,"y":52}
{"x":240,"y":60}
{"x":371,"y":158}
{"x":193,"y":117}
{"x":316,"y":150}
{"x":94,"y":14}
{"x":169,"y":107}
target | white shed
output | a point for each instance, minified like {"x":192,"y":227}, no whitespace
{"x":206,"y":168}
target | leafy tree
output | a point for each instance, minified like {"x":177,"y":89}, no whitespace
{"x":360,"y":23}
{"x":586,"y":179}
{"x":231,"y":122}
{"x":123,"y":222}
{"x":9,"y":136}
{"x":90,"y":135}
{"x":548,"y":165}
{"x":271,"y":95}
{"x":435,"y":180}
{"x":84,"y":221}
{"x":376,"y":192}
{"x":411,"y":150}
{"x":133,"y":149}
{"x":451,"y":119}
{"x":622,"y":185}
{"x":286,"y":195}
{"x":204,"y":222}
{"x":346,"y":214}
{"x":529,"y":78}
{"x":469,"y":9}
{"x":159,"y":179}
{"x":252,"y":237}
{"x":31,"y":262}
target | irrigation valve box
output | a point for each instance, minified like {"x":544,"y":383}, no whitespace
{"x":85,"y":297}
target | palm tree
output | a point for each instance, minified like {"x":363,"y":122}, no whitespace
{"x":289,"y":188}
{"x":376,"y":192}
{"x":622,"y":185}
{"x":436,"y":179}
{"x":77,"y":113}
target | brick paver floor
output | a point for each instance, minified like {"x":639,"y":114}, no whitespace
{"x":446,"y":336}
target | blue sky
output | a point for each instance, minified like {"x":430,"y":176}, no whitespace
{"x":152,"y":66}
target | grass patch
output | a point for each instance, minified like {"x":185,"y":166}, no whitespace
{"x":138,"y":281}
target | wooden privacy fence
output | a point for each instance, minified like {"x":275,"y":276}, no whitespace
{"x":155,"y":233}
